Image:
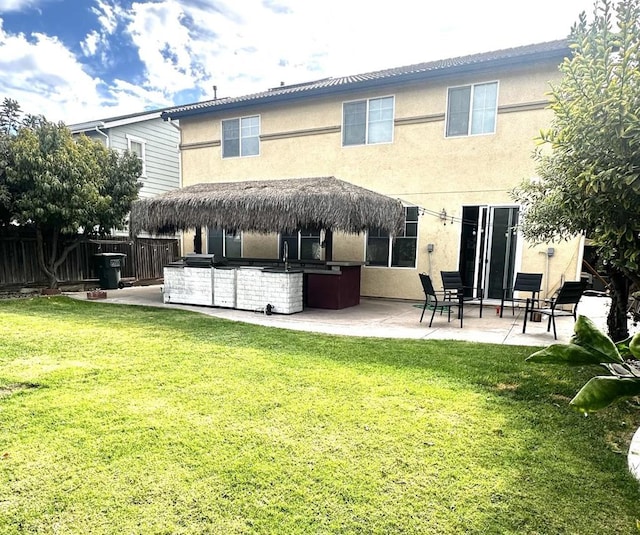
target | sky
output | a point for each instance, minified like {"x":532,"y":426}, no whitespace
{"x":84,"y":60}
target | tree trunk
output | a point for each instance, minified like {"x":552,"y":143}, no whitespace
{"x":617,"y":318}
{"x":47,"y":247}
{"x":42,"y":259}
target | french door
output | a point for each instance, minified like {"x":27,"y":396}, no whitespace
{"x":488,"y":246}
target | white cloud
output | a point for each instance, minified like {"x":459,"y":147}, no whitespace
{"x":252,"y":45}
{"x":164,"y":45}
{"x":15,"y":5}
{"x":241,"y":47}
{"x":108,"y":14}
{"x":90,"y":44}
{"x":248,"y":46}
{"x":46,"y":78}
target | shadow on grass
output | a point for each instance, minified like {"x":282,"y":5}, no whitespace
{"x":8,"y":389}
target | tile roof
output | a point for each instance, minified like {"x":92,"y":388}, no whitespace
{"x":407,"y":73}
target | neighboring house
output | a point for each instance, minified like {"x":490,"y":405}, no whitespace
{"x":449,"y":138}
{"x":152,"y":139}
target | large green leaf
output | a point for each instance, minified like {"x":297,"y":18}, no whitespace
{"x":623,"y":347}
{"x":601,"y":391}
{"x":588,"y":336}
{"x":565,"y":354}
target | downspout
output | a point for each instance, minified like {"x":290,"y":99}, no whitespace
{"x":177,"y":127}
{"x":106,"y":136}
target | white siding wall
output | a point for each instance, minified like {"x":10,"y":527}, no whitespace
{"x":161,"y":153}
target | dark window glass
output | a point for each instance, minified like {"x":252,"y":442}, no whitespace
{"x":310,"y":245}
{"x":292,"y":243}
{"x":224,"y":243}
{"x":354,"y":123}
{"x":403,"y":248}
{"x":232,"y":244}
{"x":215,"y":244}
{"x":377,"y":248}
{"x":231,"y":138}
{"x":458,"y":111}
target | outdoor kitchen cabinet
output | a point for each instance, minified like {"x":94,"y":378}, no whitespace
{"x":188,"y":285}
{"x":334,"y":288}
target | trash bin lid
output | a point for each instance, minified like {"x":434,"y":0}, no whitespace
{"x":112,"y":255}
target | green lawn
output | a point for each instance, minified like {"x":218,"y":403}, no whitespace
{"x":126,"y":420}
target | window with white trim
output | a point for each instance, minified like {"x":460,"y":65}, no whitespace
{"x":241,"y":137}
{"x":367,"y":121}
{"x":224,"y":243}
{"x":395,"y":251}
{"x":137,"y":146}
{"x":302,"y":245}
{"x":472,"y":109}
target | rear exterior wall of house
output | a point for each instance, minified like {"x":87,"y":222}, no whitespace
{"x":460,"y":184}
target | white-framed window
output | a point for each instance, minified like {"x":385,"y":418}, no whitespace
{"x":241,"y":137}
{"x":137,"y":146}
{"x":367,"y":121}
{"x":472,"y":109}
{"x":394,"y":251}
{"x":224,"y":243}
{"x":302,"y":245}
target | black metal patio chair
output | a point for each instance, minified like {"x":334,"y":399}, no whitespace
{"x":525,"y":282}
{"x":454,"y":290}
{"x":432,"y":302}
{"x":569,"y":294}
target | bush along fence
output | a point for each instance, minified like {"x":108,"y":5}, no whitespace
{"x":145,"y":259}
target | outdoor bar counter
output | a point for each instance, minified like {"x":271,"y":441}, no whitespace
{"x":336,"y":287}
{"x":262,"y":284}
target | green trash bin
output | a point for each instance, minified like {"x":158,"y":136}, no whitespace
{"x":108,"y":267}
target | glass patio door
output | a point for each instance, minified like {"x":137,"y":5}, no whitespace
{"x":488,"y":244}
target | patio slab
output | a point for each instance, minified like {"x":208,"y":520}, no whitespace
{"x":376,"y":317}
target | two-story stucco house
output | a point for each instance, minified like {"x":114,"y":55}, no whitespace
{"x":152,"y":139}
{"x":449,"y":138}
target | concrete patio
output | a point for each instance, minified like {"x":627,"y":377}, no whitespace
{"x":387,"y":318}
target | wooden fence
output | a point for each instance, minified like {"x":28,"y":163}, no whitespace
{"x":145,"y":259}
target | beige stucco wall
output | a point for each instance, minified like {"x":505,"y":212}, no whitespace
{"x":421,"y":167}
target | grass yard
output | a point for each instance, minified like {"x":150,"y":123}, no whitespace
{"x":117,"y":419}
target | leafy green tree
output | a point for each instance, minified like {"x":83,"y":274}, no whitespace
{"x":589,"y":180}
{"x":10,"y":113}
{"x":66,"y":189}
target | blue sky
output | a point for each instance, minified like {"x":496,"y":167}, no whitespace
{"x":80,"y":60}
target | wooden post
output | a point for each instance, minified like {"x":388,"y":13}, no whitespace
{"x":197,"y":241}
{"x":328,"y":245}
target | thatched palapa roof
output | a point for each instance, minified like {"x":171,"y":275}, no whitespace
{"x":266,"y":206}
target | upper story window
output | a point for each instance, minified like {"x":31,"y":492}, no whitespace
{"x":472,"y":109}
{"x":224,"y":243}
{"x":241,"y":137}
{"x":137,"y":146}
{"x":367,"y":121}
{"x":399,"y":251}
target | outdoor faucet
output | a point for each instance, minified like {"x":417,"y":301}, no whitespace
{"x":285,"y":256}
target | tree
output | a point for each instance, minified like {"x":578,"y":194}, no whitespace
{"x":66,"y":189}
{"x":589,"y":180}
{"x":9,"y":116}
